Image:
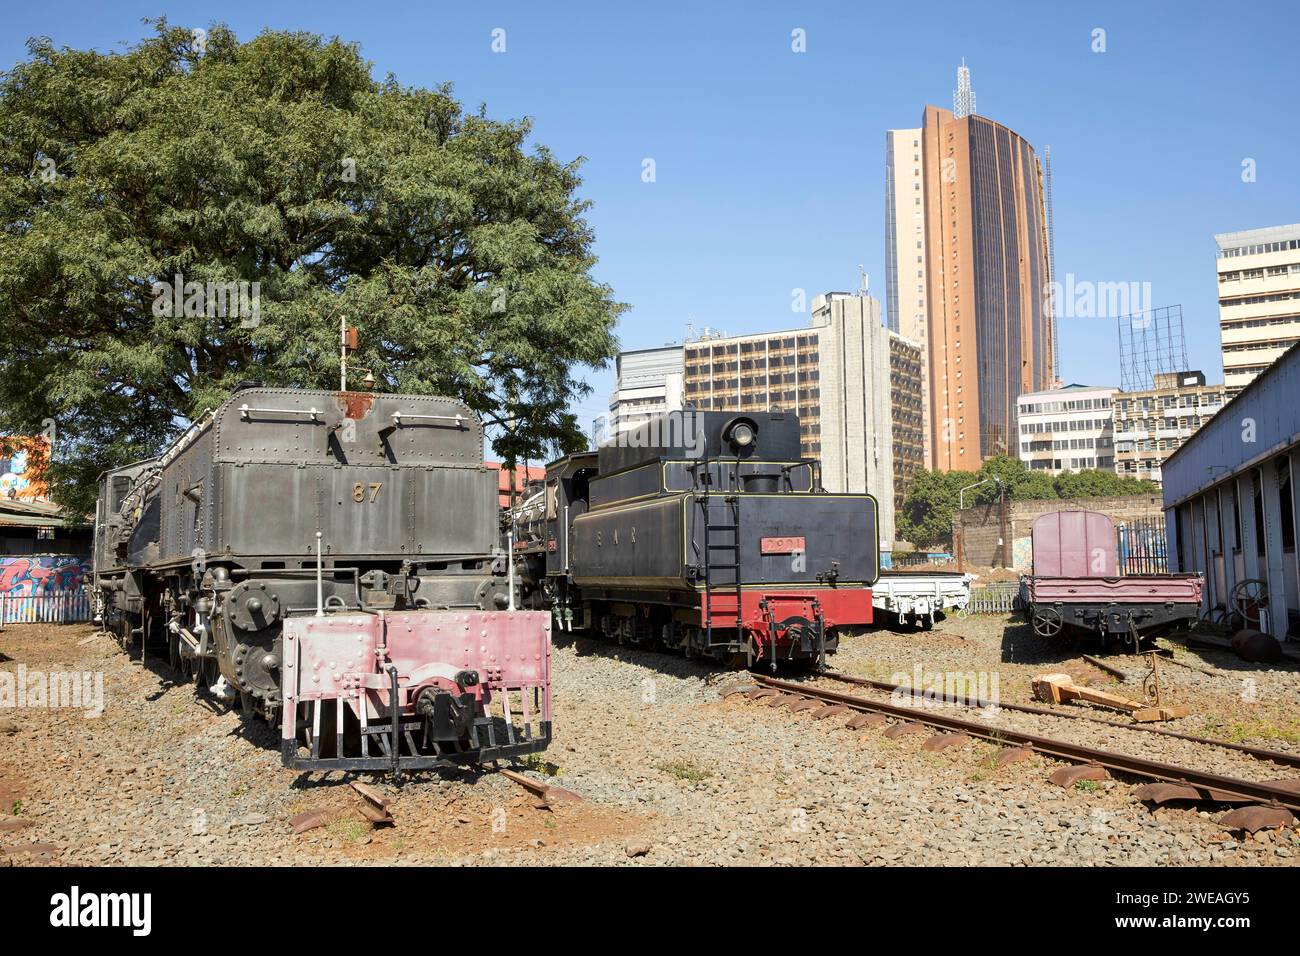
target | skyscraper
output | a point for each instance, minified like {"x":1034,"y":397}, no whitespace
{"x":966,"y":206}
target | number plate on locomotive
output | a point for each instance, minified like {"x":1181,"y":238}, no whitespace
{"x":781,"y":545}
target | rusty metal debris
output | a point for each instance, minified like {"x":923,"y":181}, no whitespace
{"x":1256,"y":818}
{"x":864,"y":720}
{"x":1162,"y":793}
{"x":548,"y":794}
{"x":829,"y":710}
{"x":1010,"y":755}
{"x":311,"y":819}
{"x":1069,"y":776}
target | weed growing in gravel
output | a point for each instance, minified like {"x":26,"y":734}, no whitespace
{"x":348,"y":829}
{"x":1087,"y":786}
{"x":686,"y":769}
{"x":1239,"y":731}
{"x":17,"y":809}
{"x":540,"y":764}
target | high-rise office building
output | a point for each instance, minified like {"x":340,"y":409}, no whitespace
{"x":981,"y":276}
{"x":1259,"y":299}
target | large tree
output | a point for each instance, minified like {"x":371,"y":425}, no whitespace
{"x":458,"y":249}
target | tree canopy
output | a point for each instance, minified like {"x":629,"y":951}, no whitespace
{"x":459,"y":252}
{"x":932,"y":497}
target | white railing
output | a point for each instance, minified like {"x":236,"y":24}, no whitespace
{"x":52,"y":607}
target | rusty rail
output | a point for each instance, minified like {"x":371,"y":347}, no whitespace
{"x":1270,"y":793}
{"x":1259,"y":753}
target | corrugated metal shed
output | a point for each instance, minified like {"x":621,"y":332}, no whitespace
{"x":1230,"y":503}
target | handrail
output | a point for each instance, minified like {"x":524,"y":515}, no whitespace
{"x":246,"y":412}
{"x":459,"y":420}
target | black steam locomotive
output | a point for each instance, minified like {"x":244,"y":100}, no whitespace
{"x":330,"y":560}
{"x":705,"y":532}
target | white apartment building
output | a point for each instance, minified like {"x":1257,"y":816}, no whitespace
{"x":648,"y":383}
{"x":905,"y":254}
{"x":1067,"y":429}
{"x":1259,"y":299}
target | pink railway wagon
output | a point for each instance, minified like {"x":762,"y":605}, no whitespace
{"x":1076,"y":585}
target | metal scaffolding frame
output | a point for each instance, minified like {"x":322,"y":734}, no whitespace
{"x":1150,"y":343}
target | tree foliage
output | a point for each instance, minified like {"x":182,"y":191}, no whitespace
{"x":460,"y":254}
{"x":927,"y":513}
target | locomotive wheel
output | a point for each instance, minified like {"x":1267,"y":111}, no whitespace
{"x":1047,"y":622}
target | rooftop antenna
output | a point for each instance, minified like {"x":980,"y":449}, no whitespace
{"x":1051,"y":262}
{"x":963,"y":98}
{"x":863,"y":280}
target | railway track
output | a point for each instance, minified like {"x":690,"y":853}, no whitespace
{"x":1258,"y":803}
{"x":1260,"y":753}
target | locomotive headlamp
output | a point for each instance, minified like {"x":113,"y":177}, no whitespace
{"x":741,"y":435}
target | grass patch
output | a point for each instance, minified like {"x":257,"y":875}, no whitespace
{"x":17,"y":809}
{"x":1237,"y":730}
{"x":1087,"y":786}
{"x":540,"y":764}
{"x":348,"y":829}
{"x":685,"y":769}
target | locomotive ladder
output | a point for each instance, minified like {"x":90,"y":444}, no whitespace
{"x":732,"y":546}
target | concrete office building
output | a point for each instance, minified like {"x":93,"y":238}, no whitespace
{"x":648,"y":383}
{"x":1067,"y":429}
{"x":983,"y":271}
{"x":1259,"y":299}
{"x":1152,"y":424}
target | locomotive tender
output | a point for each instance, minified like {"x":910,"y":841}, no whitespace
{"x":706,"y":532}
{"x":330,"y":560}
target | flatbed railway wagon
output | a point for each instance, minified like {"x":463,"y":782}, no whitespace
{"x":330,"y":562}
{"x":708,"y":533}
{"x":920,"y":597}
{"x":1076,"y":586}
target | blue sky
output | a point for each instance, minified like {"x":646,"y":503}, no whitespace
{"x":770,"y":164}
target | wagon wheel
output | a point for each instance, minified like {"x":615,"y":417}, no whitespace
{"x":1047,"y":622}
{"x":1249,"y":597}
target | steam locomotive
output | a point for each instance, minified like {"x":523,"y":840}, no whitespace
{"x":705,"y":532}
{"x":330,"y":561}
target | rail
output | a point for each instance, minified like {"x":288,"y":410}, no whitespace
{"x":1277,"y":794}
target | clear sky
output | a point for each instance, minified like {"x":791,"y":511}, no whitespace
{"x":769,"y":164}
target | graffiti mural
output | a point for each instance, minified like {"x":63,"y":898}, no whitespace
{"x":42,"y":574}
{"x":22,"y":468}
